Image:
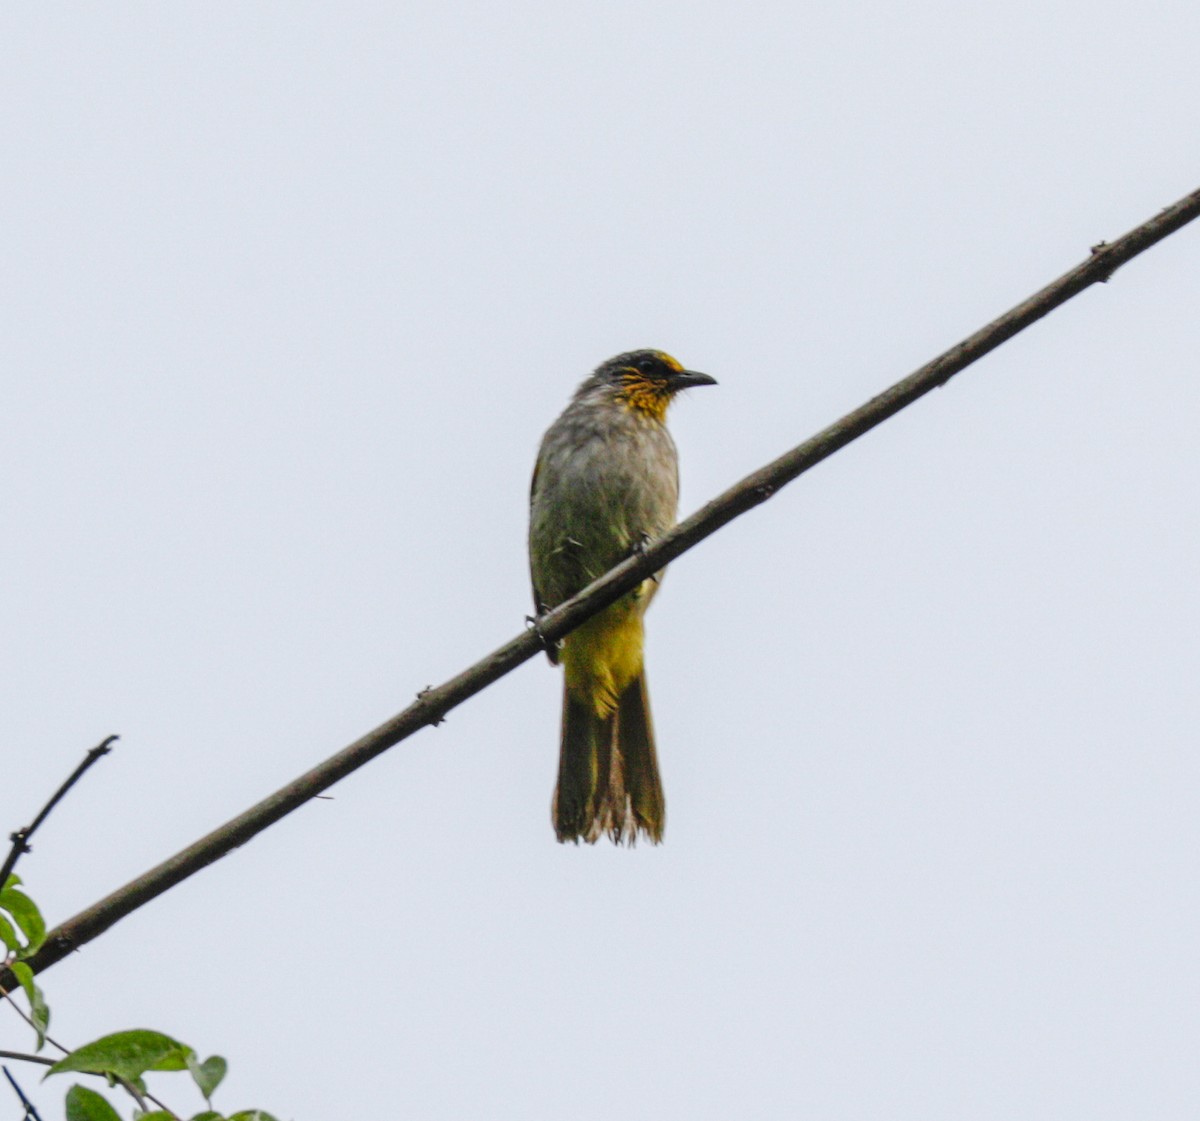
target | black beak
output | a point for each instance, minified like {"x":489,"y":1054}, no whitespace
{"x":688,"y":379}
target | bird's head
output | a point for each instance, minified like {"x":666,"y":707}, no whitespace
{"x":646,"y":380}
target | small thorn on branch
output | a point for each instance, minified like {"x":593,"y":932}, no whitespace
{"x":423,"y":695}
{"x":1097,"y":250}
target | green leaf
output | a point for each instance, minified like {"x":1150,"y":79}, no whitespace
{"x":207,"y":1115}
{"x":86,"y":1105}
{"x":157,"y":1115}
{"x":9,"y":936}
{"x":24,"y":974}
{"x":208,"y":1074}
{"x":39,"y":1011}
{"x":252,"y":1115}
{"x":128,"y":1054}
{"x":27,"y":916}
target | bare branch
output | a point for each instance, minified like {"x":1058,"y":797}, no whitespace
{"x":431,"y":705}
{"x":22,"y":1057}
{"x":20,"y":838}
{"x":6,"y":995}
{"x":31,"y":1113}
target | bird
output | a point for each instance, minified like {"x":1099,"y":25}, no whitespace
{"x":606,"y":482}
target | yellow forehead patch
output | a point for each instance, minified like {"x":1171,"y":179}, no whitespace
{"x":673,"y":363}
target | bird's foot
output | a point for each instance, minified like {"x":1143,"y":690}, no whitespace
{"x":534,"y":623}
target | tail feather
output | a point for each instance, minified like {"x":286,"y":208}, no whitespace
{"x":575,"y":799}
{"x":608,"y":779}
{"x":635,"y":734}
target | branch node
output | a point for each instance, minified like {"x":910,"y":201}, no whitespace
{"x":102,"y":748}
{"x":423,"y":695}
{"x":1098,"y":250}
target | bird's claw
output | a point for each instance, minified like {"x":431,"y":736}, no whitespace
{"x":534,"y":623}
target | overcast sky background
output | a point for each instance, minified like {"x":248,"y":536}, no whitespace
{"x":290,"y":293}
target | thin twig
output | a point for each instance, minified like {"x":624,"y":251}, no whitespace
{"x":31,"y":1113}
{"x":132,"y":1091}
{"x":166,"y":1109}
{"x":154,"y":1101}
{"x":136,"y":1094}
{"x":432,"y":705}
{"x":22,"y":1057}
{"x":20,"y":838}
{"x":6,"y":995}
{"x":41,"y":1060}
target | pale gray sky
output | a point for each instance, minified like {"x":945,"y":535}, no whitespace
{"x":291,"y":292}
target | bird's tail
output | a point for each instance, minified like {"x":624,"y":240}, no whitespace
{"x":608,"y":771}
